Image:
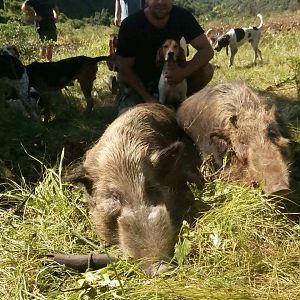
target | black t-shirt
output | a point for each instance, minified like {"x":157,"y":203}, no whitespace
{"x":43,"y":8}
{"x":138,"y":38}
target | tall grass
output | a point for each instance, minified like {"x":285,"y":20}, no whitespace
{"x":243,"y":247}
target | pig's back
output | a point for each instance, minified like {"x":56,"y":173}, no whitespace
{"x":211,"y":109}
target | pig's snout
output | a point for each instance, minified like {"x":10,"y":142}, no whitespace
{"x":147,"y":231}
{"x":155,"y":267}
{"x":280,"y":189}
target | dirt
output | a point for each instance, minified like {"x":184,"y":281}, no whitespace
{"x":271,"y":24}
{"x":284,"y":23}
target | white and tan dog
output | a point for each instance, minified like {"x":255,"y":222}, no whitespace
{"x":171,"y":54}
{"x":236,"y":37}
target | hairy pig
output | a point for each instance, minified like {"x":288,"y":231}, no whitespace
{"x":136,"y":178}
{"x":232,"y":121}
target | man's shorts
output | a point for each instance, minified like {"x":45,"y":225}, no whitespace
{"x":47,"y":33}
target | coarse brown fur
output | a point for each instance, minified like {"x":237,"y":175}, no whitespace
{"x":136,"y":176}
{"x":230,"y":120}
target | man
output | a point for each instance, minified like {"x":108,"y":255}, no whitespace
{"x":124,"y":8}
{"x":141,"y":34}
{"x":46,"y":13}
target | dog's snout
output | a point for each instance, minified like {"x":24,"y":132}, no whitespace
{"x":217,"y":48}
{"x":171,"y":54}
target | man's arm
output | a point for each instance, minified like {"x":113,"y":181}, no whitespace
{"x":55,"y":12}
{"x":129,"y":76}
{"x":201,"y":58}
{"x":117,"y":19}
{"x":203,"y":55}
{"x":26,"y":8}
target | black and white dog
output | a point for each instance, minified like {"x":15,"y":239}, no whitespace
{"x":236,"y":37}
{"x":10,"y":50}
{"x":13,"y":74}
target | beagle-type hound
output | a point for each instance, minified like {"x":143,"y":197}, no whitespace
{"x":172,"y":53}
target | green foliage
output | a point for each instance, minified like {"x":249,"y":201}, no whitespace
{"x":23,"y":37}
{"x":220,"y":8}
{"x":294,"y":63}
{"x":207,"y":9}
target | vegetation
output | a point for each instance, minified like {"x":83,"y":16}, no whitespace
{"x":77,"y":9}
{"x":244,"y":247}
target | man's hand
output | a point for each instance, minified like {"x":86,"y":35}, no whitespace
{"x":117,"y":21}
{"x":175,"y":75}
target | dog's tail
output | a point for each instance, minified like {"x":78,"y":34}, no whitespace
{"x":102,"y":58}
{"x":209,"y":32}
{"x":261,"y":21}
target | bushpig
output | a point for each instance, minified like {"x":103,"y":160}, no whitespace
{"x":231,"y":120}
{"x":136,"y":178}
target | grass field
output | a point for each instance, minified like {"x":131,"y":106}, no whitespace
{"x":244,"y":247}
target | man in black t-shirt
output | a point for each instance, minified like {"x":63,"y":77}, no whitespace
{"x":140,"y":36}
{"x":45,"y":15}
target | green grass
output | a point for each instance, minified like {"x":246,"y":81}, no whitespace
{"x":255,"y":254}
{"x":244,"y":247}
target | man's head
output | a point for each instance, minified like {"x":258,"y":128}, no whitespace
{"x":159,"y":9}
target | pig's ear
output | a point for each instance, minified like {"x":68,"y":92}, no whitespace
{"x":219,"y":144}
{"x":164,"y":160}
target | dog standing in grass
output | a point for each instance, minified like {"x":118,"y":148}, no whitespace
{"x":236,"y":37}
{"x":13,"y":75}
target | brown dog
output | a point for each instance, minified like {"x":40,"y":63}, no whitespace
{"x":53,"y":76}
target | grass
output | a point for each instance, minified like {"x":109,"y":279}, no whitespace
{"x":244,"y":247}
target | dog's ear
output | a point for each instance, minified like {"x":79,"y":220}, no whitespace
{"x":159,"y":57}
{"x":183,"y":45}
{"x":15,"y":49}
{"x":181,"y":57}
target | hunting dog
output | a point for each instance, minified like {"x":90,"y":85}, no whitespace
{"x":212,"y":36}
{"x":10,"y":50}
{"x":13,"y":75}
{"x":171,"y":54}
{"x":53,"y":76}
{"x":236,"y":37}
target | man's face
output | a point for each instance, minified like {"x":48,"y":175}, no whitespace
{"x":160,"y":9}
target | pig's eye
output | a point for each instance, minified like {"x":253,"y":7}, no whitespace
{"x":153,"y":191}
{"x":272,"y":134}
{"x":116,"y":196}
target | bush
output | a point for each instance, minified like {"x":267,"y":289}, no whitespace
{"x":23,"y":37}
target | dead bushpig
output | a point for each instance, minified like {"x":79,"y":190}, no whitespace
{"x":231,"y":120}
